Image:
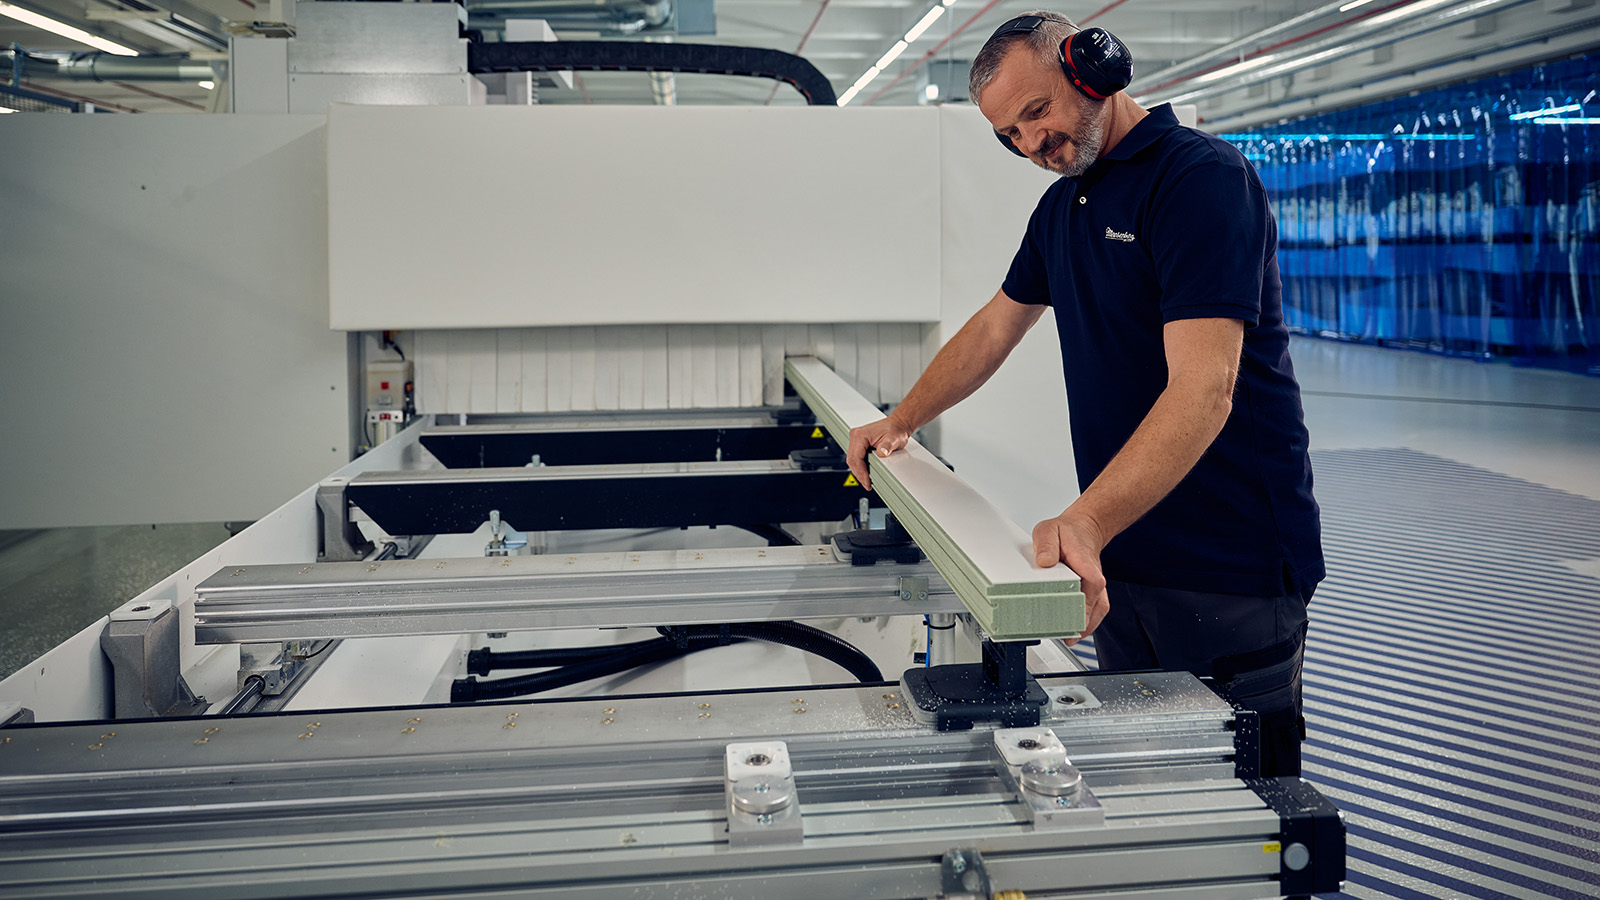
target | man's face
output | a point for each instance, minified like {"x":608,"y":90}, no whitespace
{"x":1031,"y":103}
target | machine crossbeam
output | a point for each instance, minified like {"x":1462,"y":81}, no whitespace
{"x":585,"y":590}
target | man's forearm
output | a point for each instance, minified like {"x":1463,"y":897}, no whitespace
{"x":1202,"y":366}
{"x":1163,"y":449}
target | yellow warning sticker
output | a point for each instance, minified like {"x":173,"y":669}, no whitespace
{"x":850,"y":481}
{"x":1271,"y":847}
{"x":816,"y":432}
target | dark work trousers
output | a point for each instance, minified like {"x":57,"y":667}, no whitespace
{"x":1251,"y":645}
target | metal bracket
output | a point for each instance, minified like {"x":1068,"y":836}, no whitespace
{"x":763,"y":806}
{"x":273,"y":661}
{"x":12,"y":713}
{"x":503,"y":538}
{"x":913,"y":587}
{"x":1034,"y":764}
{"x":340,"y":539}
{"x":141,"y":641}
{"x":963,"y":876}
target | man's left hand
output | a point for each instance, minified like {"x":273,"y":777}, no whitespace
{"x":1074,"y":539}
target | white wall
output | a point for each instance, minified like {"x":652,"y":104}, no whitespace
{"x":164,"y":346}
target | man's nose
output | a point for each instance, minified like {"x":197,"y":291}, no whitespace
{"x":1031,"y":140}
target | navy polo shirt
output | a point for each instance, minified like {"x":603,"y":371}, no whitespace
{"x":1172,"y":224}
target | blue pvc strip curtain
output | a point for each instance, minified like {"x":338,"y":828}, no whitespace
{"x":1464,"y":220}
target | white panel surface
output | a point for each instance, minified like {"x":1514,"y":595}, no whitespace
{"x":655,"y":367}
{"x":164,"y":345}
{"x":534,"y":391}
{"x":508,"y":395}
{"x":470,"y":217}
{"x":1010,"y":439}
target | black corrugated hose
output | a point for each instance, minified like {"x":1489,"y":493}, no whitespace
{"x":587,"y":663}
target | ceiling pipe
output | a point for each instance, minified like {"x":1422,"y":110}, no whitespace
{"x":1447,"y":68}
{"x":602,"y":15}
{"x":1235,"y":51}
{"x":664,"y":85}
{"x":111,"y":67}
{"x":622,"y":26}
{"x":1368,"y":36}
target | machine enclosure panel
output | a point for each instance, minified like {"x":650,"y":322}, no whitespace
{"x":601,"y":215}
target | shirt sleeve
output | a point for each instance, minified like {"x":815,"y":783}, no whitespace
{"x":1027,"y":281}
{"x":1211,"y":234}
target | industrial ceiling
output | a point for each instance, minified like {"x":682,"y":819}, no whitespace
{"x":1240,"y":63}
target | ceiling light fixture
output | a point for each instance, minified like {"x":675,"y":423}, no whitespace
{"x":861,"y":82}
{"x":927,"y":20}
{"x":917,"y":30}
{"x":209,"y":85}
{"x":1237,"y":68}
{"x":1410,"y":9}
{"x":28,"y":17}
{"x":893,"y":54}
{"x":1353,"y":4}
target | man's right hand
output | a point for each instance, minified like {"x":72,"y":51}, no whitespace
{"x":883,"y":437}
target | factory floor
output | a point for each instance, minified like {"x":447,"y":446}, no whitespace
{"x":1452,"y":673}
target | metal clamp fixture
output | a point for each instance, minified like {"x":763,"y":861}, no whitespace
{"x":1034,"y":764}
{"x":503,"y":538}
{"x":763,"y":807}
{"x":141,"y":641}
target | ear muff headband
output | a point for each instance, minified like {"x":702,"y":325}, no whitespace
{"x":1094,"y":62}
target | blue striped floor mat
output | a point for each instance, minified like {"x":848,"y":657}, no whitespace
{"x":1452,"y":679}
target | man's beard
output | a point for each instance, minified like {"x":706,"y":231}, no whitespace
{"x":1091,"y":136}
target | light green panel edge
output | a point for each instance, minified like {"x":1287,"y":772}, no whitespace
{"x":1007,"y":611}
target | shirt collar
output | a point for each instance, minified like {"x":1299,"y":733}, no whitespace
{"x":1144,"y":133}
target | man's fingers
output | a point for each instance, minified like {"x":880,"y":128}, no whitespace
{"x":1046,"y":544}
{"x":1097,"y":608}
{"x":855,"y":456}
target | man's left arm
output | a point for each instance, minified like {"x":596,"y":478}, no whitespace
{"x":1202,"y":363}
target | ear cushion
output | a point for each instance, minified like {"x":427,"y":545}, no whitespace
{"x":1096,"y":63}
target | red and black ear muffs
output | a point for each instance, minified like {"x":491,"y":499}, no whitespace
{"x":1093,"y":60}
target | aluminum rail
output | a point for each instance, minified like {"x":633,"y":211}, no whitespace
{"x":625,"y":797}
{"x":585,"y":590}
{"x":983,"y":555}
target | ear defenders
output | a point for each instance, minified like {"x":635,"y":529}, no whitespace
{"x":1093,"y":60}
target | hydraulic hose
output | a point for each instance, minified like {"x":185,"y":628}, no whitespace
{"x":484,"y":661}
{"x":801,"y":637}
{"x":469,"y":690}
{"x":587,"y":663}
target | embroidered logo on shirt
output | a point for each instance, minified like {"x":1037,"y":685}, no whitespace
{"x":1122,"y":236}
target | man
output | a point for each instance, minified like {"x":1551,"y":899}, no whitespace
{"x":1195,"y":534}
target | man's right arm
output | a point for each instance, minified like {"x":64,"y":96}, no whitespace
{"x":961,"y":367}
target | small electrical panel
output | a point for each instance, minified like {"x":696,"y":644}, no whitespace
{"x":387,"y":384}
